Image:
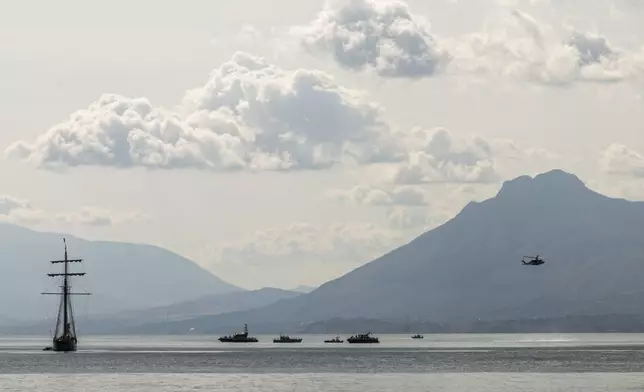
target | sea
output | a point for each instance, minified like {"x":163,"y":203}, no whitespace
{"x":446,"y":363}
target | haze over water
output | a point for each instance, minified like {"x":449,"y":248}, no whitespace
{"x":437,"y":363}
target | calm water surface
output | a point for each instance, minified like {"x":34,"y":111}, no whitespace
{"x":551,"y":362}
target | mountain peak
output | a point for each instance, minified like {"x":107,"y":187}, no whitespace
{"x":558,"y":176}
{"x":553,"y":181}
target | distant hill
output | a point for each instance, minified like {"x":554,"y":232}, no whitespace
{"x":119,"y":275}
{"x":469,"y":268}
{"x":212,"y":305}
{"x":304,"y":289}
{"x":623,"y":323}
{"x":184,"y":315}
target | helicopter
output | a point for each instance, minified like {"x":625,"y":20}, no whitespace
{"x":535,"y":260}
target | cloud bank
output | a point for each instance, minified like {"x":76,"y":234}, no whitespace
{"x":302,"y":253}
{"x":375,"y":196}
{"x":21,"y":211}
{"x":386,"y":37}
{"x":522,"y":47}
{"x":17,"y":210}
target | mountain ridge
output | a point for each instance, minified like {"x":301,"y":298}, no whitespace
{"x":469,"y":267}
{"x":144,"y":275}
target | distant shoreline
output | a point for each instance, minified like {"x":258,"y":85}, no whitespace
{"x":570,"y":324}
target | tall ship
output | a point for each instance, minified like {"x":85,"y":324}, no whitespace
{"x":65,"y":338}
{"x":363,"y":338}
{"x":239,"y":337}
{"x":287,"y":339}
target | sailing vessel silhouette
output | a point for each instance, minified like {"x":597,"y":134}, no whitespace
{"x":65,"y":338}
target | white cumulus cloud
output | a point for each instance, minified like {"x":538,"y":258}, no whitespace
{"x":379,"y":35}
{"x":523,"y":47}
{"x":377,"y":196}
{"x":619,"y":160}
{"x":248,"y":115}
{"x":18,"y":210}
{"x":436,"y":156}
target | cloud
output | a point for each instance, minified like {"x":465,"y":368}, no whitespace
{"x":523,"y":47}
{"x":302,"y":253}
{"x":17,"y":210}
{"x":408,"y":218}
{"x":126,"y":132}
{"x":21,"y":211}
{"x":379,"y":35}
{"x":94,"y":216}
{"x":371,"y":195}
{"x":385,"y":37}
{"x":249,"y":115}
{"x":247,"y":34}
{"x":436,"y":156}
{"x":617,"y":159}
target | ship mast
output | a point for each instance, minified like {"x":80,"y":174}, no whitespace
{"x":68,"y":328}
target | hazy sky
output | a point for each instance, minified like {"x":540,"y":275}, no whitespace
{"x":286,"y":142}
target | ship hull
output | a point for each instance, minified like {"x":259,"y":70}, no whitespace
{"x":64,"y":346}
{"x":238,"y":341}
{"x":362,"y":341}
{"x":288,"y":341}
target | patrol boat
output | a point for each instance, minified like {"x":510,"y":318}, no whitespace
{"x":363,"y":338}
{"x":239,"y":337}
{"x":287,"y":339}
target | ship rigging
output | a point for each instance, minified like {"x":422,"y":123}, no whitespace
{"x":65,"y":338}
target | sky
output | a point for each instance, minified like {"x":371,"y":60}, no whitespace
{"x":288,"y":142}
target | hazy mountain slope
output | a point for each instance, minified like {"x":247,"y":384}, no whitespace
{"x":157,"y":319}
{"x":470,"y":267}
{"x":304,"y":289}
{"x":120,"y":275}
{"x":210,"y":305}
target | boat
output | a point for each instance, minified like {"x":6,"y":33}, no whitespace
{"x":287,"y":339}
{"x":417,"y":336}
{"x":334,"y":340}
{"x":65,"y":338}
{"x":239,"y":337}
{"x":363,"y":338}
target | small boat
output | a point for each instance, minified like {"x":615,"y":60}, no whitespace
{"x":334,"y":340}
{"x":417,"y":336}
{"x":239,"y":337}
{"x":287,"y":339}
{"x":363,"y":338}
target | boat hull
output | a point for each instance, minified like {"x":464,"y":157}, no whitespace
{"x":64,"y":345}
{"x":237,"y":341}
{"x":363,"y":341}
{"x":287,"y":341}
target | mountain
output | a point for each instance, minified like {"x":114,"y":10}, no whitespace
{"x":119,"y":275}
{"x":212,"y":305}
{"x":304,"y":289}
{"x":156,"y":320}
{"x":195,"y":314}
{"x":469,"y":268}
